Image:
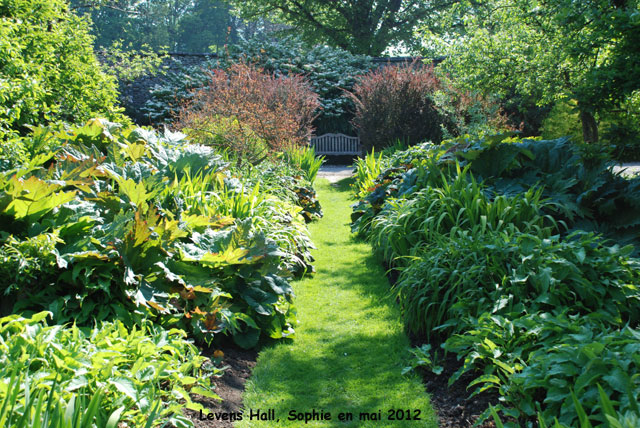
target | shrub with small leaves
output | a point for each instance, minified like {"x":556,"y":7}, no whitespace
{"x":396,"y":103}
{"x":329,"y":70}
{"x":48,"y":71}
{"x":279,"y":110}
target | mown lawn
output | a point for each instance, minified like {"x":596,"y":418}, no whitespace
{"x":349,"y":347}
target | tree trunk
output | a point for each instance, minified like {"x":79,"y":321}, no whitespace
{"x":589,"y":127}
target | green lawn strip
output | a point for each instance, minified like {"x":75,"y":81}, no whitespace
{"x":350,"y":346}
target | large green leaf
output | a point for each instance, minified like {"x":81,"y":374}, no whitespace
{"x":32,"y":198}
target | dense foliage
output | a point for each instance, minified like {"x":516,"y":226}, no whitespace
{"x":364,"y":27}
{"x":127,"y":65}
{"x":48,"y":72}
{"x":121,"y":222}
{"x":329,"y":71}
{"x":180,"y":26}
{"x":103,"y":376}
{"x":408,"y":104}
{"x":396,"y":103}
{"x":271,"y":113}
{"x":494,"y":245}
{"x":580,"y":190}
{"x":305,"y":158}
{"x":544,"y":50}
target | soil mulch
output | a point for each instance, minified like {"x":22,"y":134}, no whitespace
{"x":452,"y":403}
{"x":229,"y":387}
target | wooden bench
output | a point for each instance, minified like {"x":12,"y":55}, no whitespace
{"x":336,"y":144}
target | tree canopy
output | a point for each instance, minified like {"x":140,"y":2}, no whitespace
{"x":359,"y":26}
{"x":588,"y":51}
{"x":177,"y":25}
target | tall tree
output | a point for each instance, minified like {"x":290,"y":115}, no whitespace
{"x":359,"y":26}
{"x":178,"y":25}
{"x":208,"y":24}
{"x":588,"y":51}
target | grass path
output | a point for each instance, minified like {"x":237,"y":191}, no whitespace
{"x":349,"y":347}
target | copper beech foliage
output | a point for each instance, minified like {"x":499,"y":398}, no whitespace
{"x":278,"y":110}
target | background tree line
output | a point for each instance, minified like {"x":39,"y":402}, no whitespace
{"x":192,"y":26}
{"x":575,"y":65}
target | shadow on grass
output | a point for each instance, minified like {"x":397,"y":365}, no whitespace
{"x":356,"y":363}
{"x":354,"y":266}
{"x":368,"y":280}
{"x":344,"y":185}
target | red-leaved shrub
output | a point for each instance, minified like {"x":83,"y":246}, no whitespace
{"x":395,"y":103}
{"x":279,"y":110}
{"x":411,"y":104}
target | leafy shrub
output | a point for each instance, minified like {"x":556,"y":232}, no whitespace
{"x":581,"y":362}
{"x":401,"y":174}
{"x":495,"y":347}
{"x":562,"y":120}
{"x":279,"y":110}
{"x":227,"y":134}
{"x":608,"y":413}
{"x":28,"y":261}
{"x":124,"y":373}
{"x":469,"y":112}
{"x":423,"y":357}
{"x":329,"y":71}
{"x":127,"y":64}
{"x":146,"y":225}
{"x":470,"y":271}
{"x":304,"y":158}
{"x":395,"y":103}
{"x":553,"y":367}
{"x":581,"y":191}
{"x":411,"y":104}
{"x":288,"y":182}
{"x":404,"y":224}
{"x":48,"y":72}
{"x":623,"y":135}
